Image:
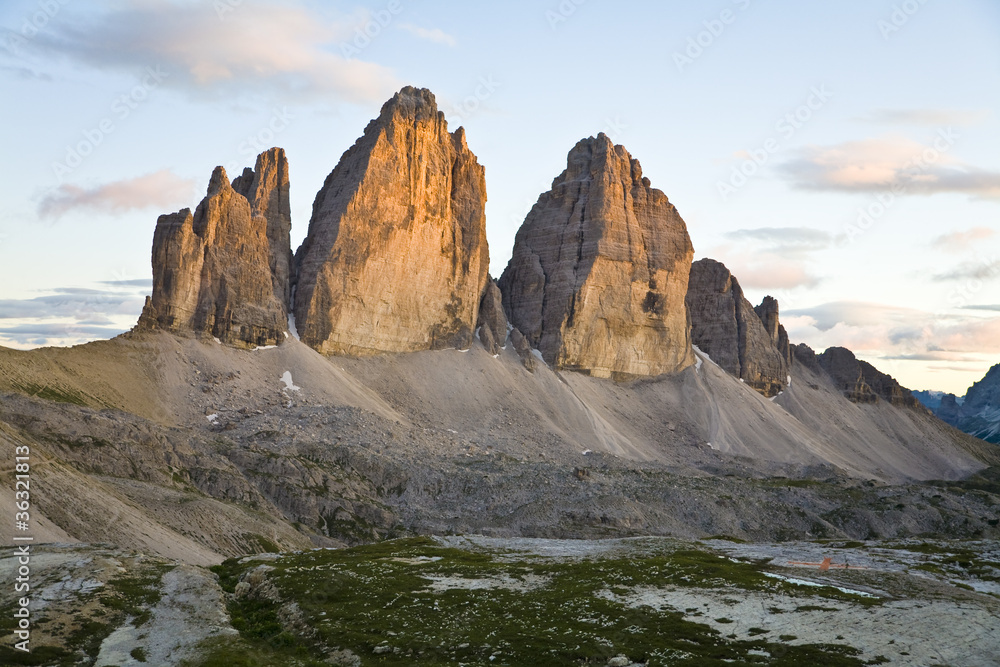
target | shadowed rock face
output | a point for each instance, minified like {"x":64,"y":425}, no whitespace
{"x":212,"y":271}
{"x":492,"y":324}
{"x":767,"y":311}
{"x":396,"y":256}
{"x":861,"y":382}
{"x":727,"y":328}
{"x":600,"y":269}
{"x":266,"y":188}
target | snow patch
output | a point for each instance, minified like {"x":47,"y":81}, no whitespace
{"x":587,"y":452}
{"x":266,"y":347}
{"x":217,"y":340}
{"x":703,"y":355}
{"x":289,"y":385}
{"x":538,"y":355}
{"x":291,"y":327}
{"x":213,"y":418}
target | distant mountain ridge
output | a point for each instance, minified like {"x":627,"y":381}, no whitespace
{"x":977,"y":413}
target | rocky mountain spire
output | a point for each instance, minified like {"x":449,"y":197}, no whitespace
{"x":266,"y":188}
{"x":396,"y":256}
{"x":600,"y":269}
{"x":767,"y":311}
{"x":212,"y":270}
{"x":727,"y":328}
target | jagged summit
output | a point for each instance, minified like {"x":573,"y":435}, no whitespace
{"x":266,"y":187}
{"x":214,"y":270}
{"x":600,"y":269}
{"x":396,"y":256}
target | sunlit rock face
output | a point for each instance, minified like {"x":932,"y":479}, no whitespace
{"x":600,"y":270}
{"x":396,"y":257}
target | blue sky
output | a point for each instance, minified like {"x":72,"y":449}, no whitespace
{"x":868,"y":135}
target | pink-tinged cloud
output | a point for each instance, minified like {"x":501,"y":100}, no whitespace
{"x":892,"y":164}
{"x":225,"y":48}
{"x":163,"y":190}
{"x":965,"y":241}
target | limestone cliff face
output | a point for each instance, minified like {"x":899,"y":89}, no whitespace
{"x":600,"y":269}
{"x":396,"y":256}
{"x":861,"y":382}
{"x":726,"y":327}
{"x":266,"y":188}
{"x":212,"y":272}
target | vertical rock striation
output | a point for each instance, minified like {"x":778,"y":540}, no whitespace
{"x":600,"y":269}
{"x":212,"y":271}
{"x":725,"y":326}
{"x":396,"y":257}
{"x":266,"y":188}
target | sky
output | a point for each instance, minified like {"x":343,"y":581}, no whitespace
{"x":842,"y":157}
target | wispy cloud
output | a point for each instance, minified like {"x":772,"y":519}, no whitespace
{"x":773,"y":258}
{"x":162,"y":189}
{"x":435,"y":35}
{"x":72,"y":315}
{"x":267,"y":47}
{"x":877,"y":165}
{"x":928,"y":117}
{"x":970,"y":271}
{"x":896,"y":334}
{"x":964,"y":241}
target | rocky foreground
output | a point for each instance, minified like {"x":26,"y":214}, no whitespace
{"x":486,"y":601}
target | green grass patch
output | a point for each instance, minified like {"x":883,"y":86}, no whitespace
{"x":378,"y":601}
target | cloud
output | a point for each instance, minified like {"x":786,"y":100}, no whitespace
{"x":161,"y":189}
{"x":928,"y":117}
{"x":894,"y":334}
{"x":989,"y":307}
{"x":958,"y":242}
{"x":853,"y":313}
{"x":79,"y":304}
{"x":282,"y":49}
{"x":984,"y":269}
{"x":785,"y":240}
{"x":72,"y":315}
{"x":773,"y":257}
{"x":889,"y":163}
{"x":435,"y":35}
